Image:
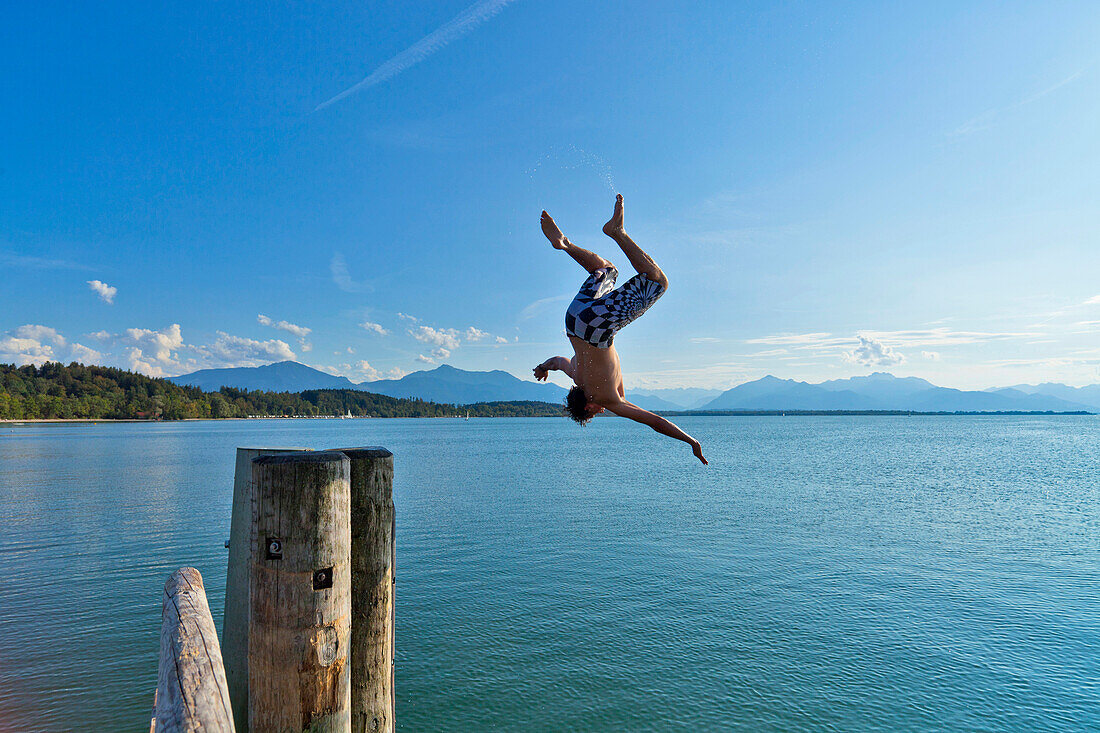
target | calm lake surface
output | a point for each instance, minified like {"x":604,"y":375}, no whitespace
{"x":822,"y":574}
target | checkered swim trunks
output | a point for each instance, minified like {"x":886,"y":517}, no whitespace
{"x":598,"y":312}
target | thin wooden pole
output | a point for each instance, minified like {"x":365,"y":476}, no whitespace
{"x":235,"y":620}
{"x":191,"y":691}
{"x":373,"y":556}
{"x":300,"y":622}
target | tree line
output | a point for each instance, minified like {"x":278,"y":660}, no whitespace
{"x":54,"y":390}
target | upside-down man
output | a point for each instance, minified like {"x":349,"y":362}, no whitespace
{"x":592,"y":320}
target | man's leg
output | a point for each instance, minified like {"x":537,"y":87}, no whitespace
{"x":642,"y":262}
{"x":590,"y":261}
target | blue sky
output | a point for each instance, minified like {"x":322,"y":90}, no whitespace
{"x":832,"y":189}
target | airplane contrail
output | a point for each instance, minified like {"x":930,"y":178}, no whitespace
{"x":457,"y":27}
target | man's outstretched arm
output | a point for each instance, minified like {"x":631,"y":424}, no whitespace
{"x":559,"y":363}
{"x":658,"y":423}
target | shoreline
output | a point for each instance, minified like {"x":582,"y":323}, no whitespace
{"x":671,"y":413}
{"x":78,"y":420}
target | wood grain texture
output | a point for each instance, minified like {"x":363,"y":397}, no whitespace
{"x":235,"y":619}
{"x":299,"y":637}
{"x":191,"y":689}
{"x":373,"y":555}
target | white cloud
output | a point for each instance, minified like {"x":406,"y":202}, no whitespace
{"x":339,"y":268}
{"x":443,"y":337}
{"x":824,"y":341}
{"x":800,"y":339}
{"x":1094,"y":300}
{"x":446,"y":340}
{"x":105,"y":291}
{"x":987,"y":118}
{"x":360,"y":371}
{"x":931,"y":355}
{"x":239,"y":351}
{"x":947,"y":336}
{"x":533,"y":309}
{"x":299,"y":332}
{"x":374,"y":328}
{"x":150,"y":352}
{"x":407,"y":317}
{"x":160,"y":353}
{"x":39,"y":263}
{"x":81,"y":353}
{"x":160,"y":343}
{"x":365,"y":372}
{"x":1049,"y":363}
{"x":40,"y":333}
{"x":872,"y":352}
{"x":22,"y":351}
{"x":425,"y":359}
{"x":454,"y":29}
{"x":717,"y":375}
{"x":31,"y":344}
{"x":139,"y":363}
{"x":157,"y":353}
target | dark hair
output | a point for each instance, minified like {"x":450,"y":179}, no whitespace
{"x":575,"y":403}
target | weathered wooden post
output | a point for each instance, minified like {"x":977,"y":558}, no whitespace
{"x":191,"y":691}
{"x":235,"y":620}
{"x":300,"y":621}
{"x":373,"y":568}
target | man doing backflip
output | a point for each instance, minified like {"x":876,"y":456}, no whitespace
{"x":593,"y":319}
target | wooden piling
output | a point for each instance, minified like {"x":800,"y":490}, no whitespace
{"x":191,"y":689}
{"x":235,"y":620}
{"x":299,"y":626}
{"x":373,"y":570}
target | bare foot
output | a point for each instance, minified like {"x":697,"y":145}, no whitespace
{"x":614,"y":226}
{"x":550,"y":229}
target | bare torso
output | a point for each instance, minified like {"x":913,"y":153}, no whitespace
{"x":597,"y":371}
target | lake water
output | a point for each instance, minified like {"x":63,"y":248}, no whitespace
{"x":822,"y":574}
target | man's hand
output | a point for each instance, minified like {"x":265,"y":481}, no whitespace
{"x":559,"y":363}
{"x":697,"y":449}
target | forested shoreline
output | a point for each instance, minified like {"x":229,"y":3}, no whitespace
{"x":75,"y":391}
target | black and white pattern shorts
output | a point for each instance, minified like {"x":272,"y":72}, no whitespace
{"x":598,"y":312}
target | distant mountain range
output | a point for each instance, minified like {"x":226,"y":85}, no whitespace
{"x":883,"y":391}
{"x":450,"y":385}
{"x":878,"y":391}
{"x":686,"y":398}
{"x":1087,"y":395}
{"x":283,"y":376}
{"x":443,"y":384}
